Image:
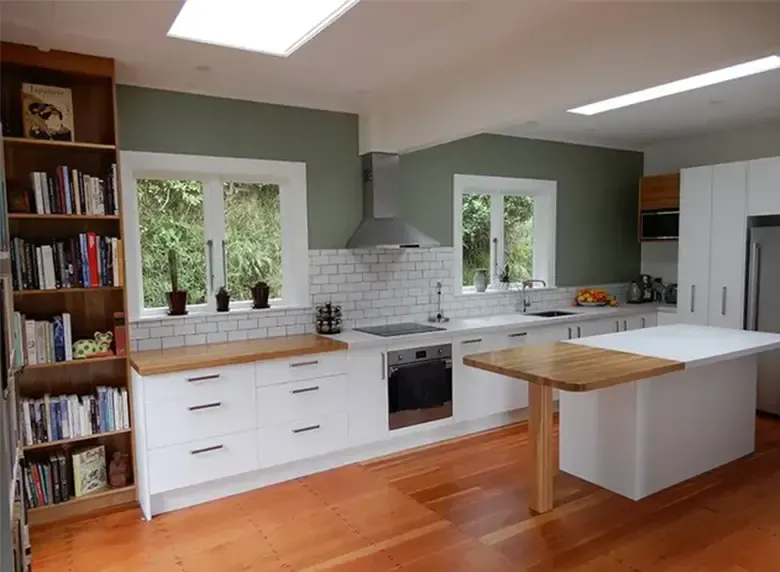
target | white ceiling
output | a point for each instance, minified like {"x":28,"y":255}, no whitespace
{"x":422,"y":72}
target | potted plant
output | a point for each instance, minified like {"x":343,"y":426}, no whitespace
{"x":177,"y":299}
{"x":261,"y":290}
{"x":223,"y":300}
{"x":503,"y":278}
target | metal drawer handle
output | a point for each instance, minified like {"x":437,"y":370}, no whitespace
{"x":305,"y":389}
{"x":474,"y":341}
{"x":202,"y":378}
{"x":569,"y":333}
{"x":723,"y":302}
{"x":518,"y":335}
{"x":207,"y":450}
{"x":579,"y":332}
{"x":625,"y":325}
{"x":643,"y":321}
{"x":305,"y":363}
{"x":305,"y":429}
{"x":617,"y":325}
{"x":206,"y":406}
{"x":693,"y":298}
{"x":383,"y":365}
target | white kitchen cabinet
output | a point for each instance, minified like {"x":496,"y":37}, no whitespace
{"x":638,"y":321}
{"x":476,"y":393}
{"x":763,"y":181}
{"x":367,"y":406}
{"x":596,"y":327}
{"x":667,"y":318}
{"x":711,"y":261}
{"x":693,"y":267}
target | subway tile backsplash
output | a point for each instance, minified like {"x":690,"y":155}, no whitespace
{"x":373,"y":287}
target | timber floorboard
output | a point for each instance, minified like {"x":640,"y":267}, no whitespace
{"x":457,"y":506}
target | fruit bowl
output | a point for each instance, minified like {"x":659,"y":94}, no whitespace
{"x":594,"y":297}
{"x":592,"y":304}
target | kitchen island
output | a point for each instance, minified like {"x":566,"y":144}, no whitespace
{"x":641,"y":410}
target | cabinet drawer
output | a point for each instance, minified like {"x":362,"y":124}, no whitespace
{"x":310,"y":437}
{"x":212,"y":411}
{"x":302,"y":399}
{"x":199,"y":385}
{"x":304,"y":367}
{"x":201,"y":461}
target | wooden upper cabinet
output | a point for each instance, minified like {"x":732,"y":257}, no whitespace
{"x":659,"y":192}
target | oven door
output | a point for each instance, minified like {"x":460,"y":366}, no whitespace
{"x":419,"y":393}
{"x":659,"y":225}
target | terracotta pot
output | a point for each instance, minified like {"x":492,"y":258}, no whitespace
{"x":177,"y":303}
{"x":260,"y":293}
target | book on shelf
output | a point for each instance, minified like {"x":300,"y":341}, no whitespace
{"x":59,"y":417}
{"x":89,"y":470}
{"x":47,"y":482}
{"x":85,"y":261}
{"x":42,"y":341}
{"x":70,"y":191}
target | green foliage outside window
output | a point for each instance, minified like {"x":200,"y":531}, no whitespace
{"x":170,"y":214}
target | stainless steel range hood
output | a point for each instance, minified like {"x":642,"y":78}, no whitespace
{"x":381,"y":226}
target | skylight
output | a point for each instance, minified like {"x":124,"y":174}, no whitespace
{"x":276,"y":27}
{"x":682,"y":85}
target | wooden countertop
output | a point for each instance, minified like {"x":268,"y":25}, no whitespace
{"x":152,"y":362}
{"x":571,"y":367}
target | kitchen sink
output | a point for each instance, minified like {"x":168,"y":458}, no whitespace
{"x":551,"y":314}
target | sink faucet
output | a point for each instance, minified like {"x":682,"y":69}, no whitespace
{"x":530,"y":284}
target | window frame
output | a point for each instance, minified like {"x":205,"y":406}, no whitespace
{"x":544,"y":194}
{"x":213,"y":172}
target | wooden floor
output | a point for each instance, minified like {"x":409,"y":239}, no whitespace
{"x":460,"y":506}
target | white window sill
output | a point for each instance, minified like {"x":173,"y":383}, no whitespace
{"x":240,"y":311}
{"x":517,"y":289}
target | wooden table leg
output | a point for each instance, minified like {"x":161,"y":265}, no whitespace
{"x":540,"y":424}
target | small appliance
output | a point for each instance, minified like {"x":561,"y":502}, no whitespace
{"x":670,"y":294}
{"x":641,"y":290}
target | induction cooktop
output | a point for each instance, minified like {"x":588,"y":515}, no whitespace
{"x":403,"y":329}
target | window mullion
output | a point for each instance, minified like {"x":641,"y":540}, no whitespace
{"x":214,"y":224}
{"x":497,"y":234}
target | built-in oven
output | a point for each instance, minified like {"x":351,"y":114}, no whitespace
{"x":419,"y":385}
{"x":659,"y":225}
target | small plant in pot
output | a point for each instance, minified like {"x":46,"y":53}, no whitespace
{"x":177,"y":299}
{"x":261,"y":291}
{"x":223,"y":300}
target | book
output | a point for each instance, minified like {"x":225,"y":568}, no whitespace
{"x":120,"y":334}
{"x":68,"y":336}
{"x":47,"y":112}
{"x":89,"y":470}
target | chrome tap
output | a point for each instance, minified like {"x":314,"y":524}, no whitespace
{"x":530,"y":284}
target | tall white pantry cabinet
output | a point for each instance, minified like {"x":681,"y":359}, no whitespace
{"x":715,"y":203}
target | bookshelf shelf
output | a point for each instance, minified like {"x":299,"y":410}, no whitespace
{"x":81,"y":505}
{"x":74,"y":217}
{"x":19,"y":293}
{"x":50,"y":444}
{"x":75,"y":362}
{"x":64,"y":144}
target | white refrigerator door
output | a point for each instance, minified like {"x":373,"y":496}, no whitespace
{"x":767,"y":311}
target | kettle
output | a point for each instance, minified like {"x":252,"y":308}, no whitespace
{"x":634,"y":295}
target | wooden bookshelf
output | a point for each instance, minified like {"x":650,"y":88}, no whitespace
{"x":74,"y":440}
{"x":92,"y":152}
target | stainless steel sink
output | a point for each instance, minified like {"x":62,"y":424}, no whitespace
{"x":551,"y":314}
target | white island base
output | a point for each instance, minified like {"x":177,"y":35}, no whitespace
{"x":638,"y":438}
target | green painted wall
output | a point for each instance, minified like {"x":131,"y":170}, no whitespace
{"x":171,"y":122}
{"x":597,"y":197}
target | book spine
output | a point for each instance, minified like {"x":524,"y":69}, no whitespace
{"x":100,"y":265}
{"x":68,"y":336}
{"x":59,"y":339}
{"x":92,"y":259}
{"x":65,"y":181}
{"x":55,"y":469}
{"x":35,"y":181}
{"x":120,"y":260}
{"x":83,"y":193}
{"x":65,"y":484}
{"x":29,"y":265}
{"x":115,"y":188}
{"x":40,"y":277}
{"x":61,"y":197}
{"x":75,"y":175}
{"x":15,"y":264}
{"x":46,"y":190}
{"x":125,"y":408}
{"x":38,"y":482}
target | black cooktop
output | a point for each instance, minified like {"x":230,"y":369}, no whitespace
{"x":404,"y":329}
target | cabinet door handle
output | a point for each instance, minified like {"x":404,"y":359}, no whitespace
{"x":474,"y":341}
{"x":518,"y":334}
{"x":642,"y":321}
{"x":205,"y":406}
{"x":383,"y":365}
{"x":207,"y":450}
{"x":693,"y":298}
{"x":202,"y":378}
{"x":617,"y":325}
{"x":305,"y":363}
{"x":210,"y":244}
{"x":579,"y":332}
{"x":305,"y":389}
{"x":723,"y":302}
{"x":306,"y":429}
{"x":625,"y":325}
{"x":569,"y":333}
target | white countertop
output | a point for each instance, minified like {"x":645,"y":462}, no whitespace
{"x":496,"y":323}
{"x":693,"y":345}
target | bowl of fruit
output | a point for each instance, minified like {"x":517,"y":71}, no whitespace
{"x":594,"y":297}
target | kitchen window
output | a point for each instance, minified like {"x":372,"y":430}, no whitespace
{"x":502,"y":224}
{"x":232,"y":222}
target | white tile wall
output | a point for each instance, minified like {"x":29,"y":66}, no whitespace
{"x":373,"y":287}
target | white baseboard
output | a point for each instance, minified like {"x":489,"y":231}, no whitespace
{"x":190,"y":496}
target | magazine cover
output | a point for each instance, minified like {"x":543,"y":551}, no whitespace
{"x":89,"y":471}
{"x":47,"y":112}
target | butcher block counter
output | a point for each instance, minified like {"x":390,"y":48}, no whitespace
{"x":640,"y":410}
{"x":154,"y":362}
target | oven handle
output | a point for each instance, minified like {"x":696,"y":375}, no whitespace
{"x":394,"y":368}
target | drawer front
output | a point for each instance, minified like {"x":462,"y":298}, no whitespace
{"x":302,"y":439}
{"x":304,"y":367}
{"x":198,"y":386}
{"x":201,"y":461}
{"x":212,"y":412}
{"x":302,"y":399}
